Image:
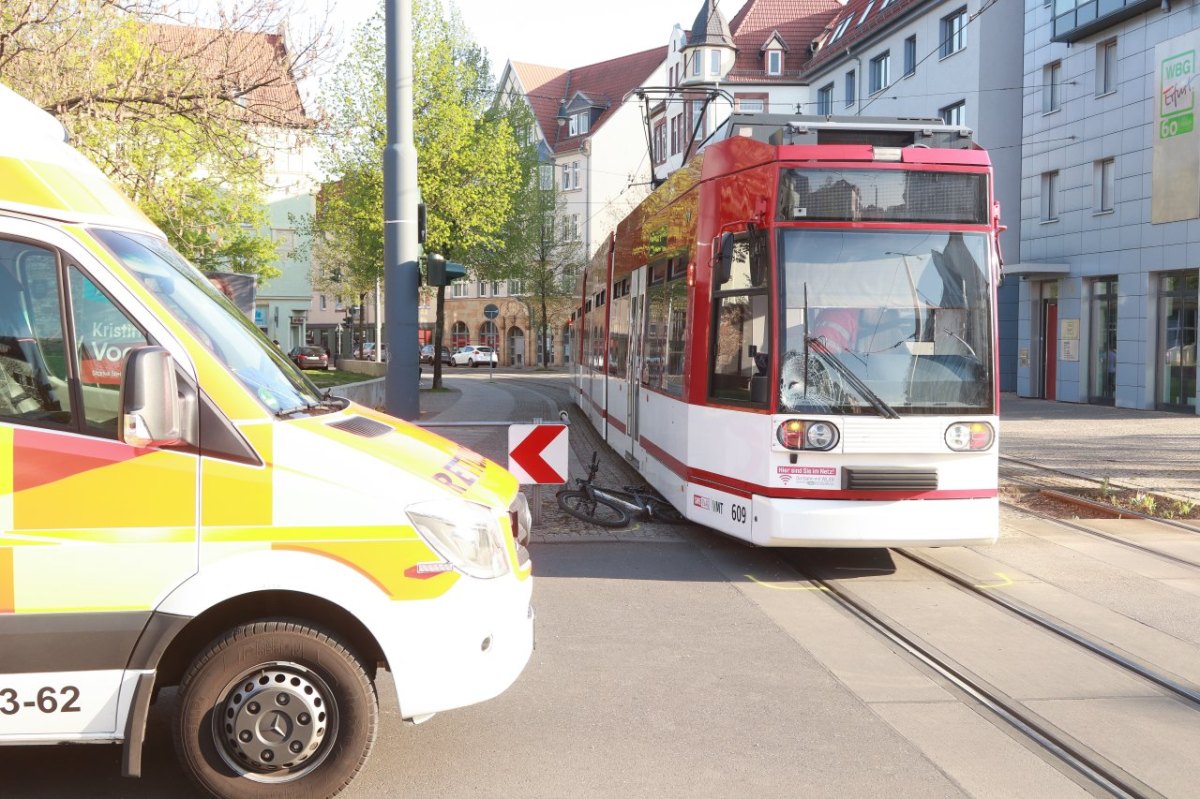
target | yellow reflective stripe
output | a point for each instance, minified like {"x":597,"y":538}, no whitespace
{"x":384,"y":564}
{"x":106,"y":535}
{"x":265,"y":534}
{"x":7,"y":602}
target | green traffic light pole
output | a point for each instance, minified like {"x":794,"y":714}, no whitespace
{"x":401,"y":273}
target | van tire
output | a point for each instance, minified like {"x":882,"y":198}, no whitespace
{"x":292,"y":668}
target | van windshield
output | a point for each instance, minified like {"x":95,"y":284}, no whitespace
{"x":214,"y":320}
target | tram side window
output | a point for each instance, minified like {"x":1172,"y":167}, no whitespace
{"x":666,"y":326}
{"x":618,"y":344}
{"x":741,"y":328}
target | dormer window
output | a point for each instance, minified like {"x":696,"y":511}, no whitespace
{"x":774,"y":62}
{"x":578,"y":124}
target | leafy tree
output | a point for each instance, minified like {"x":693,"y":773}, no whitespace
{"x":174,"y":113}
{"x":467,"y":154}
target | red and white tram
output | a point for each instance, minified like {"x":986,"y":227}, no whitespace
{"x":794,"y":338}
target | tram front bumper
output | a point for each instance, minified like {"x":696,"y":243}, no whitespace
{"x":875,"y":523}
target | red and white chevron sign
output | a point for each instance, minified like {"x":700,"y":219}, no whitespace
{"x":537,"y":453}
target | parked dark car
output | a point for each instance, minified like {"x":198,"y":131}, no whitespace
{"x":427,"y":354}
{"x":310,"y":358}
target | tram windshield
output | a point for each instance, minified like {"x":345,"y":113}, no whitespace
{"x":886,"y":322}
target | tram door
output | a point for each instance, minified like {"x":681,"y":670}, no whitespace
{"x":637,"y":325}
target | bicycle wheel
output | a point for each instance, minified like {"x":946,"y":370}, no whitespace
{"x":663,"y":511}
{"x":592,"y":509}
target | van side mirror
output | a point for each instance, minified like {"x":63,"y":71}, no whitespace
{"x":723,"y":259}
{"x":150,"y":405}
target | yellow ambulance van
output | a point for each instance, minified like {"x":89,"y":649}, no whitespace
{"x":179,"y":506}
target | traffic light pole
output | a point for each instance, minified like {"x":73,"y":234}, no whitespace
{"x":401,"y":273}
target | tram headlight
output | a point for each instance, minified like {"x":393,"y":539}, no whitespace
{"x":801,"y":434}
{"x":970,"y":436}
{"x":820,"y":435}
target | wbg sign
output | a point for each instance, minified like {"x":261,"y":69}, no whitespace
{"x":1177,"y":99}
{"x":1175,"y":191}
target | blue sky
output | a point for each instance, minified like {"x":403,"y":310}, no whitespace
{"x":553,"y":32}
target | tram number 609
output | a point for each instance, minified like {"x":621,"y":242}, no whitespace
{"x":738,"y":513}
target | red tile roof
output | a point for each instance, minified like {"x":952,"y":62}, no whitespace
{"x":797,"y":22}
{"x":607,"y":82}
{"x":878,"y":18}
{"x":254,"y":66}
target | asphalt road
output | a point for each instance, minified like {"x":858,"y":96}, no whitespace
{"x":679,"y":663}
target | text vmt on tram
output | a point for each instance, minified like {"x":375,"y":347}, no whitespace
{"x":794,"y":338}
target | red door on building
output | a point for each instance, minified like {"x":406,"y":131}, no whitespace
{"x":1050,"y":351}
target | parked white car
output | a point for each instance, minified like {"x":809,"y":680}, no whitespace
{"x":473,"y":355}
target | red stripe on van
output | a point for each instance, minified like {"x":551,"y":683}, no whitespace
{"x":43,"y":457}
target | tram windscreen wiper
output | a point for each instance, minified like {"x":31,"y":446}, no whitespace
{"x":816,"y":345}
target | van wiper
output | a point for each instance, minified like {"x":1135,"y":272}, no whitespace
{"x":816,"y":345}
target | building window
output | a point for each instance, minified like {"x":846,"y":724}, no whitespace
{"x":1075,"y":19}
{"x":483,"y":288}
{"x":910,"y":55}
{"x":866,"y":11}
{"x":714,"y":62}
{"x":458,"y":288}
{"x":954,"y":37}
{"x":1177,"y":340}
{"x":953,"y":114}
{"x":546,"y":175}
{"x":574,"y":174}
{"x":774,"y":62}
{"x":880,"y":75}
{"x":674,"y":135}
{"x":579,"y":123}
{"x":825,"y":100}
{"x":747,"y":105}
{"x":1104,"y":185}
{"x":1050,"y":196}
{"x":1051,"y":86}
{"x":660,"y":142}
{"x":515,"y":288}
{"x":841,"y":28}
{"x":566,"y":178}
{"x":850,"y":91}
{"x":1106,"y":67}
{"x":696,"y":56}
{"x":1103,"y":349}
{"x":323,"y":302}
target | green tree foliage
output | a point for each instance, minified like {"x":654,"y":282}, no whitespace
{"x":468,"y":168}
{"x":181,"y":116}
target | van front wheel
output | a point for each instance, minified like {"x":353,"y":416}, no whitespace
{"x":275,"y":709}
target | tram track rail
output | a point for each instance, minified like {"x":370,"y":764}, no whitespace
{"x":1091,"y":769}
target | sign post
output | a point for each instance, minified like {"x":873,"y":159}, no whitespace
{"x":491,"y":312}
{"x":537,"y":456}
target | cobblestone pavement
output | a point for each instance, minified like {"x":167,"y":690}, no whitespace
{"x":1151,"y":450}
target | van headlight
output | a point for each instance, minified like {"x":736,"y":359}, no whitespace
{"x":466,"y":534}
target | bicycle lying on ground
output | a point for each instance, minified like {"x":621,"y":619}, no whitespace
{"x":612,"y":507}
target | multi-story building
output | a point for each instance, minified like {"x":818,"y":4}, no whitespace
{"x":1110,"y":245}
{"x":592,"y":145}
{"x":750,"y":64}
